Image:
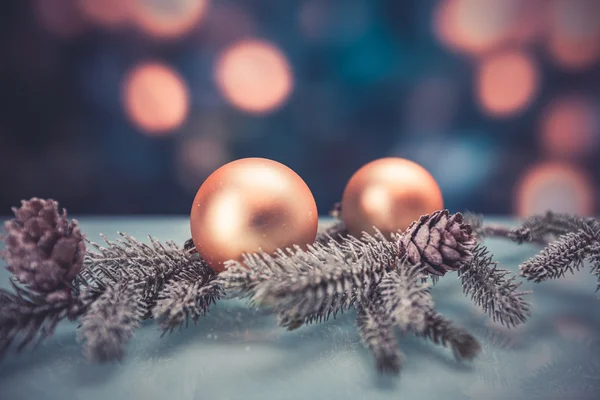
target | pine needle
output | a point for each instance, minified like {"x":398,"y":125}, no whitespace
{"x":495,"y":290}
{"x":565,"y":255}
{"x":111,"y":321}
{"x":26,"y":317}
{"x":377,"y":332}
{"x":186,"y":297}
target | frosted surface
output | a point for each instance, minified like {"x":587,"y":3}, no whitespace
{"x":238,"y":353}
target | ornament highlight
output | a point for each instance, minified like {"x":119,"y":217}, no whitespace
{"x":389,"y":194}
{"x":251,"y":204}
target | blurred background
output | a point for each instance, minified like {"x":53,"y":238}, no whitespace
{"x":126,"y":106}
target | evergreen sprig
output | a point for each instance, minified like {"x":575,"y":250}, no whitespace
{"x":111,"y":320}
{"x":128,"y":281}
{"x":378,"y":334}
{"x":385,"y":279}
{"x":370,"y":274}
{"x":187,"y":296}
{"x":26,"y":315}
{"x":540,"y":229}
{"x":494,"y":289}
{"x":570,"y":242}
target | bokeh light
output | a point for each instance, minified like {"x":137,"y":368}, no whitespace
{"x":570,"y":127}
{"x":554,"y":186}
{"x":107,"y":13}
{"x":156,"y":98}
{"x":254,"y":76}
{"x":574,"y":33}
{"x":475,"y":26}
{"x":506,"y":82}
{"x":60,"y":17}
{"x":168,"y":19}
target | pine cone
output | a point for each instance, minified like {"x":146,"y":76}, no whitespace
{"x":44,"y":250}
{"x":440,"y":242}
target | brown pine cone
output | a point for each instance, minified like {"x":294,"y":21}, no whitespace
{"x":44,"y":250}
{"x":440,"y":242}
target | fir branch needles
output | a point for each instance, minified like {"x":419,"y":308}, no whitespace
{"x":570,"y":241}
{"x":111,"y":289}
{"x":385,"y":281}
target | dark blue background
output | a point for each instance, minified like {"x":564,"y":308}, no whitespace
{"x":64,"y":133}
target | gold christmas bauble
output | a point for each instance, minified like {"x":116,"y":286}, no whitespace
{"x":251,"y":204}
{"x":389,"y":194}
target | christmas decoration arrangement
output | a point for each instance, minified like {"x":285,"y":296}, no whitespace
{"x":254,"y":236}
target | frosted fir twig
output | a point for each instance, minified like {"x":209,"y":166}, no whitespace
{"x":111,"y":321}
{"x":567,"y":254}
{"x":122,"y":282}
{"x":539,"y":229}
{"x":407,"y":299}
{"x":187,"y":296}
{"x":319,"y":281}
{"x":441,"y":331}
{"x":149,"y":265}
{"x":495,"y":290}
{"x":406,"y":296}
{"x":595,"y":261}
{"x":569,"y":241}
{"x":378,"y":334}
{"x":26,"y":316}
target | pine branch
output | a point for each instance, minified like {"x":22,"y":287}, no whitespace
{"x":540,"y":229}
{"x":407,"y":299}
{"x":494,"y":289}
{"x":305,"y":286}
{"x":187,"y":296}
{"x":406,"y":296}
{"x":441,"y":331}
{"x":25,"y":316}
{"x":567,"y":254}
{"x":111,"y":321}
{"x":377,"y":332}
{"x":595,"y":261}
{"x":148,"y":266}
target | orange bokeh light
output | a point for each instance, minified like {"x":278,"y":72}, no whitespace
{"x":506,"y":82}
{"x":554,"y":186}
{"x":475,"y":26}
{"x":570,"y":127}
{"x":168,"y":18}
{"x":156,"y":98}
{"x":108,"y":13}
{"x":60,"y":17}
{"x":254,"y":76}
{"x":574,"y":33}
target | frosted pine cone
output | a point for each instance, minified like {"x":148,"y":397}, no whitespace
{"x":440,"y":242}
{"x":44,"y":250}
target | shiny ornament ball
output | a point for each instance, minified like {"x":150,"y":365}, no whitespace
{"x":248,"y":205}
{"x":389,"y":194}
